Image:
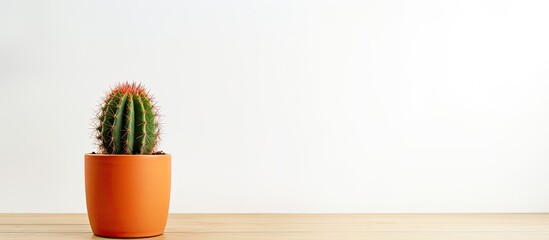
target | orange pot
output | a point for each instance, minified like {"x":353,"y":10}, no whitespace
{"x":128,"y":195}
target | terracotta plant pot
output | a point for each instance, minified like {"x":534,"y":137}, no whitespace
{"x":128,"y":195}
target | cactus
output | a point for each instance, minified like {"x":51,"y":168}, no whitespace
{"x":127,"y":121}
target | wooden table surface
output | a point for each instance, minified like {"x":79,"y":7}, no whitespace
{"x":297,"y":226}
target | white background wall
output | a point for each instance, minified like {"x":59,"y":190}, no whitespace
{"x":288,"y":106}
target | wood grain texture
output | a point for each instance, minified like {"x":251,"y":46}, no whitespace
{"x":297,"y":226}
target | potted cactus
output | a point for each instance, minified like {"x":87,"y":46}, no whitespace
{"x":127,"y":181}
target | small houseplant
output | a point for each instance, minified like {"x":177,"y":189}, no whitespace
{"x":127,"y":181}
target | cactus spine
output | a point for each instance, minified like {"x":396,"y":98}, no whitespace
{"x":127,"y":121}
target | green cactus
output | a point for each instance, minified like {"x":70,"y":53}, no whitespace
{"x":127,"y":122}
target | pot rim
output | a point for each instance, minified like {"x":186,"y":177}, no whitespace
{"x":125,"y":155}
